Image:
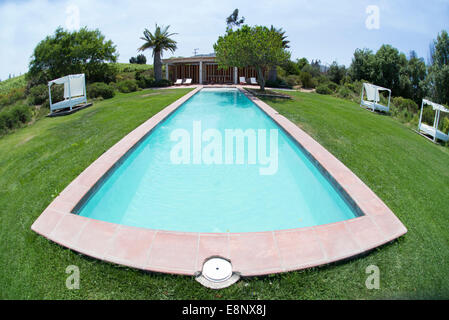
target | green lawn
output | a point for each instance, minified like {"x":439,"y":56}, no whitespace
{"x":409,"y":173}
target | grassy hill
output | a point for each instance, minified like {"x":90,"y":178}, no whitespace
{"x":16,"y":82}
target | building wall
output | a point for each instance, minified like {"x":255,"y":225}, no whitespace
{"x":211,"y":73}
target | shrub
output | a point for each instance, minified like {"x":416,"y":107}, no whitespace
{"x":323,"y":89}
{"x":293,"y":80}
{"x":100,"y":89}
{"x":14,"y":95}
{"x":278,"y":83}
{"x":14,"y":117}
{"x":307,"y":80}
{"x":445,"y":128}
{"x":3,"y":122}
{"x":405,"y":104}
{"x":162,"y":83}
{"x":3,"y":100}
{"x":344,"y":92}
{"x":144,"y":81}
{"x":126,"y":86}
{"x":332,"y":85}
{"x":38,"y":95}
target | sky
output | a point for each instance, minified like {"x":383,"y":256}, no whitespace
{"x":322,"y":29}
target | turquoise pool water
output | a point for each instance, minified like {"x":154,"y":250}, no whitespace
{"x":184,"y":190}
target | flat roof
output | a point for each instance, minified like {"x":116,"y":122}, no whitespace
{"x":193,"y":59}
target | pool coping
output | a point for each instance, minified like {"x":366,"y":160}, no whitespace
{"x":252,"y":253}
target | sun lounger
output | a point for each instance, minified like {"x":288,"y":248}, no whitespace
{"x":187,"y":81}
{"x":178,"y":82}
{"x":253,"y":81}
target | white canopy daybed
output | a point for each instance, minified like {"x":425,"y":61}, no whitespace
{"x":74,"y":91}
{"x":433,"y":130}
{"x":373,"y":97}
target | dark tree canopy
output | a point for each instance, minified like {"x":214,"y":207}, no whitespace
{"x":140,"y":59}
{"x":336,"y":72}
{"x":256,"y":46}
{"x":439,"y":70}
{"x":234,"y":20}
{"x":64,"y":52}
{"x":391,"y":69}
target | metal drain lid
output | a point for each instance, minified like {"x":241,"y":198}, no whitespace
{"x":217,"y":270}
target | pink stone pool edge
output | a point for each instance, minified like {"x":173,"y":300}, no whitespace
{"x":251,"y":254}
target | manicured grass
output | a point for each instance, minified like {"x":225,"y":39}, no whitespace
{"x":409,"y":173}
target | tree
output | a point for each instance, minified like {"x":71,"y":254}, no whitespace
{"x":302,"y":63}
{"x":413,"y":81}
{"x":84,"y":51}
{"x":363,"y":65}
{"x":233,"y":19}
{"x":388,"y":66}
{"x":438,"y":79}
{"x":272,"y":75}
{"x":159,"y":41}
{"x":256,"y":46}
{"x":141,"y":59}
{"x":336,"y":73}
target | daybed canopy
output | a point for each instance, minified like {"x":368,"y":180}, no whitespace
{"x":74,"y":91}
{"x":433,"y":130}
{"x":373,"y":97}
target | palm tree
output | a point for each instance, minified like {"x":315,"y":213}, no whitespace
{"x":272,"y":75}
{"x":158,"y":41}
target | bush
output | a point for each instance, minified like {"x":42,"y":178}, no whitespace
{"x":405,"y":104}
{"x":162,"y":83}
{"x":323,"y":89}
{"x":38,"y":95}
{"x":278,"y":83}
{"x":344,"y":92}
{"x":14,"y":117}
{"x":127,"y":86}
{"x":293,"y":80}
{"x":100,"y":89}
{"x":144,"y":81}
{"x":332,"y":85}
{"x":3,"y":122}
{"x":3,"y":100}
{"x":307,"y":80}
{"x":445,"y":128}
{"x":14,"y":95}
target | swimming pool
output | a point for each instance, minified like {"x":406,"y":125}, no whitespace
{"x":248,"y":253}
{"x":283,"y":190}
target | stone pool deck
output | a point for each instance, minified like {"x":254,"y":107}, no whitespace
{"x":251,"y":254}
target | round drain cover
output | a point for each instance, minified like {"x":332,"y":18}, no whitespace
{"x":217,"y":270}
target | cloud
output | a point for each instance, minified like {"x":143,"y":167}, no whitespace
{"x":324,"y":29}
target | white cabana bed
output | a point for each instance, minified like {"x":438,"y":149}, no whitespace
{"x":373,"y":97}
{"x":432,"y":130}
{"x":74,"y":91}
